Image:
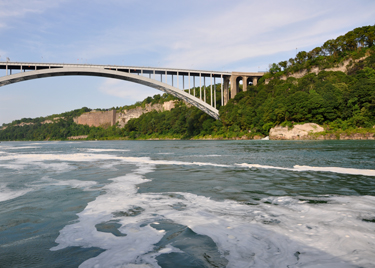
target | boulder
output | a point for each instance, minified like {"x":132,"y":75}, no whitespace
{"x":298,"y":132}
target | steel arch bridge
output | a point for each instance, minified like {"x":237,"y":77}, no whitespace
{"x":153,"y":77}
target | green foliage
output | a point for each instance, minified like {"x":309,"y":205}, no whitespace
{"x":332,"y":98}
{"x":353,"y":45}
{"x":156,"y":99}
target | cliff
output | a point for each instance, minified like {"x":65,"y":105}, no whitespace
{"x":110,"y":118}
{"x":124,"y":117}
{"x":96,"y":118}
{"x":31,"y":123}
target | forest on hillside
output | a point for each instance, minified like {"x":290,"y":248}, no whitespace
{"x":337,"y":100}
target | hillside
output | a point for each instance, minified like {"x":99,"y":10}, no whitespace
{"x":305,"y":89}
{"x":341,"y":101}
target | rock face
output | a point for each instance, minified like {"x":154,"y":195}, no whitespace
{"x":97,"y":118}
{"x":78,"y":137}
{"x":298,"y":132}
{"x":357,"y":136}
{"x":342,"y":67}
{"x":110,"y":118}
{"x":123,"y":118}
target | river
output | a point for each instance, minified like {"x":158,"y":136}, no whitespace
{"x":140,"y":204}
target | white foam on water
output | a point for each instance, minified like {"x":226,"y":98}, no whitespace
{"x":352,"y":171}
{"x":36,"y":159}
{"x":119,"y":250}
{"x":336,"y":227}
{"x":341,"y":170}
{"x":280,"y":231}
{"x":206,"y":155}
{"x":20,"y":147}
{"x":85,"y":185}
{"x":57,"y":167}
{"x":8,"y":194}
{"x":22,"y":159}
{"x":13,"y":166}
{"x":106,"y":150}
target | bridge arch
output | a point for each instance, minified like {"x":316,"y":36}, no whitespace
{"x":101,"y":72}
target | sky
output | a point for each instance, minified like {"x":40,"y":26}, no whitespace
{"x":219,"y":35}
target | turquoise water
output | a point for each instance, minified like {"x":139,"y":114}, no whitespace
{"x":187,"y":204}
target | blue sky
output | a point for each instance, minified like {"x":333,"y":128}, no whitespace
{"x":206,"y":34}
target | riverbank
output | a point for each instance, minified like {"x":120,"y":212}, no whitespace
{"x":312,"y":131}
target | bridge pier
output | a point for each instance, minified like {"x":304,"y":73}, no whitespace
{"x":244,"y":83}
{"x":235,"y":78}
{"x":226,"y":89}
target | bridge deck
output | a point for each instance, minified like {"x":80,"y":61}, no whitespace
{"x":129,"y":69}
{"x":22,"y":66}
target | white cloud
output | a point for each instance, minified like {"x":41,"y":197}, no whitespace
{"x":19,"y":8}
{"x":227,"y":34}
{"x":131,"y":92}
{"x":238,"y":33}
{"x":11,"y":11}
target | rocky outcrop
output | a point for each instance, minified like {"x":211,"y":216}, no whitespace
{"x":123,"y":118}
{"x":96,"y":118}
{"x":110,"y":118}
{"x":357,"y":136}
{"x":306,"y":132}
{"x":342,"y":67}
{"x":31,"y":123}
{"x":298,"y":132}
{"x":81,"y":137}
{"x":345,"y":136}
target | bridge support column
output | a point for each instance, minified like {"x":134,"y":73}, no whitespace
{"x":244,"y":83}
{"x":200,"y":88}
{"x":255,"y":81}
{"x":226,"y":90}
{"x":222,"y":90}
{"x":189,"y":81}
{"x":194,"y":84}
{"x":204,"y":88}
{"x":211,"y":89}
{"x":215,"y":92}
{"x":233,"y":86}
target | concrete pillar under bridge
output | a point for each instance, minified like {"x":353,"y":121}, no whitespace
{"x":235,"y":79}
{"x":226,"y":89}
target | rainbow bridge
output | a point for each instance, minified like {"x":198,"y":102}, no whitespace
{"x":181,"y":83}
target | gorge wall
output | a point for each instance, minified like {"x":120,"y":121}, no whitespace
{"x":110,"y":118}
{"x":124,"y":117}
{"x":96,"y":118}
